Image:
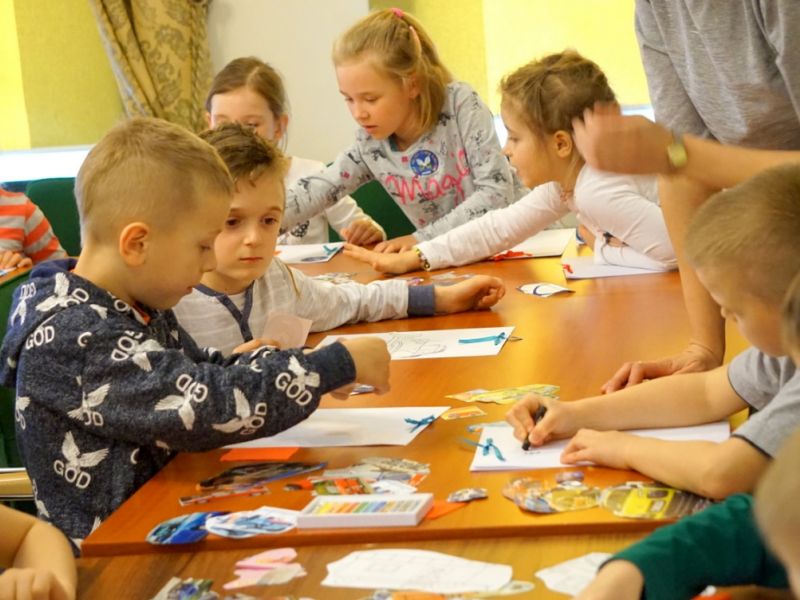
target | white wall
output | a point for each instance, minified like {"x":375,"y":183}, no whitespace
{"x":295,"y":36}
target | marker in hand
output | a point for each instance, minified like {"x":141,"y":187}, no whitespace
{"x":537,"y":416}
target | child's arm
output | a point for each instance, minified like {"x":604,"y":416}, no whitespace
{"x":41,"y":557}
{"x":353,"y":224}
{"x":713,"y":470}
{"x":331,"y":305}
{"x":486,"y":166}
{"x":494,"y":232}
{"x":312,"y":194}
{"x":719,"y":546}
{"x":40,"y":242}
{"x":616,"y":205}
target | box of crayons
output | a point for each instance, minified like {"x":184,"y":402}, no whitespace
{"x":365,"y":510}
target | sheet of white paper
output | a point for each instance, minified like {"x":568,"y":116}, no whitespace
{"x":549,"y":455}
{"x":572,"y":577}
{"x":350,"y":427}
{"x":307,"y":253}
{"x":442,"y":343}
{"x":419,"y":570}
{"x":288,"y":330}
{"x":548,"y":242}
{"x":584,"y":267}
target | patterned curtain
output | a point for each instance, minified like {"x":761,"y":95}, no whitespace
{"x":159,"y":54}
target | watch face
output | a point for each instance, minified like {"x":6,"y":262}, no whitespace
{"x":676,"y":153}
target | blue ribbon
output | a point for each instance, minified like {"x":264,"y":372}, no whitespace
{"x":489,"y":445}
{"x":497,"y":339}
{"x":419,"y":423}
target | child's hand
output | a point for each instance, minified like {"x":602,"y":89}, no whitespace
{"x":402,"y":262}
{"x":10,"y":259}
{"x":606,"y":448}
{"x":372,"y":359}
{"x":362,"y":232}
{"x":398,"y":244}
{"x":617,"y":580}
{"x":254,"y":345}
{"x":481,"y":291}
{"x":557,"y":422}
{"x":32,"y":584}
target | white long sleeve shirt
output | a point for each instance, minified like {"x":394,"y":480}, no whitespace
{"x":223,"y":322}
{"x":623,"y":206}
{"x":338,"y":215}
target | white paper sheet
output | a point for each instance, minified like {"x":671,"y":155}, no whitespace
{"x":328,"y":427}
{"x":307,"y":253}
{"x":442,"y":343}
{"x":572,"y":577}
{"x":549,"y":455}
{"x":584,"y":267}
{"x":548,"y":242}
{"x":419,"y":570}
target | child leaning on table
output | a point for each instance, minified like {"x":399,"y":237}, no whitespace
{"x":233,"y":301}
{"x":619,"y":214}
{"x":725,"y":544}
{"x":108,"y":386}
{"x":743,"y":244}
{"x":37,"y":559}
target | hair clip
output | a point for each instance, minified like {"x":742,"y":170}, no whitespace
{"x":398,"y":12}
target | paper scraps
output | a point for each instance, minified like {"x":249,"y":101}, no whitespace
{"x":248,"y":523}
{"x":272,"y":567}
{"x":507,"y":395}
{"x":543,"y":290}
{"x":571,"y":577}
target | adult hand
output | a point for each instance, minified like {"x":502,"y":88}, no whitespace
{"x":609,"y":141}
{"x":695,"y":358}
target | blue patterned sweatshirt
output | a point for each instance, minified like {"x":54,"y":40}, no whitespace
{"x":107,"y":394}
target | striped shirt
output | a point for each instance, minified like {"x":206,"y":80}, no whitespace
{"x":24,"y":228}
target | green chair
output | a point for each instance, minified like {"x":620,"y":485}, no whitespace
{"x":56,"y":198}
{"x":14,"y":482}
{"x":378,"y":204}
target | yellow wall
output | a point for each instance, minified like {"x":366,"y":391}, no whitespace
{"x":70,"y":96}
{"x":518,"y":31}
{"x":482,"y":40}
{"x":14,"y":122}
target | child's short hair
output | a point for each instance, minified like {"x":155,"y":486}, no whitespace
{"x":776,"y":507}
{"x":791,"y":318}
{"x":548,"y":93}
{"x":256,"y":75}
{"x":751,"y":231}
{"x":145,"y":169}
{"x":399,"y":47}
{"x":247,"y":155}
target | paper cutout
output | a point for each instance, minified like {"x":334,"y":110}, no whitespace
{"x":507,"y":395}
{"x":404,"y":569}
{"x":287,"y":330}
{"x":543,"y":290}
{"x":441,"y":508}
{"x":258,"y":454}
{"x":571,"y":577}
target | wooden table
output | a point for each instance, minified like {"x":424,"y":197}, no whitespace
{"x":575,"y":341}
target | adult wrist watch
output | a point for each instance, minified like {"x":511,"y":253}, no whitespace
{"x":676,"y":152}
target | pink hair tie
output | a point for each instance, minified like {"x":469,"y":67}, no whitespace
{"x":398,"y":12}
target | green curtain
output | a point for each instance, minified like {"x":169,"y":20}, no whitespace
{"x":158,"y":51}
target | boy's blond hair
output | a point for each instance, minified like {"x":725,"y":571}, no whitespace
{"x":145,"y":169}
{"x":776,"y":507}
{"x":549,"y":92}
{"x":398,"y":46}
{"x":751,"y":232}
{"x":791,"y":318}
{"x":247,"y":155}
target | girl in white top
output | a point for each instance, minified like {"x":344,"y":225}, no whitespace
{"x":251,"y":92}
{"x":619,"y":214}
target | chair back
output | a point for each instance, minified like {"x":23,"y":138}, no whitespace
{"x":56,"y":199}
